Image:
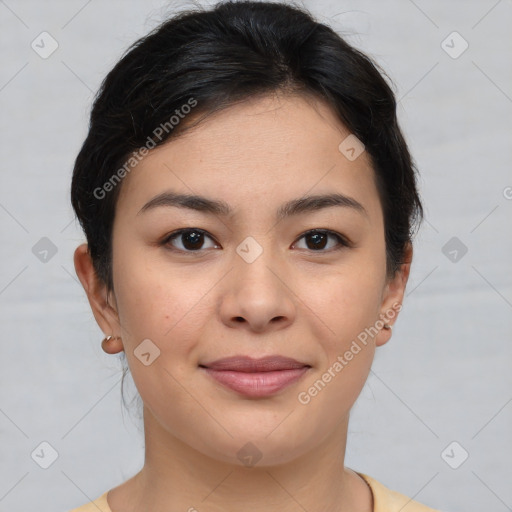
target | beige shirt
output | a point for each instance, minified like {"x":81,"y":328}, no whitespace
{"x":384,"y":500}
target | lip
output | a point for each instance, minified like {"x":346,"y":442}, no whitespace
{"x":251,"y":365}
{"x":256,"y":378}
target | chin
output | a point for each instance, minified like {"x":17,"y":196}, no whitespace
{"x":259,"y":446}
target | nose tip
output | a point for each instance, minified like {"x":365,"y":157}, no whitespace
{"x":255,"y":296}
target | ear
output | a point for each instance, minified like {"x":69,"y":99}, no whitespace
{"x":106,"y":315}
{"x":393,"y":296}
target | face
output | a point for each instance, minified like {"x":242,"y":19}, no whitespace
{"x":308,"y":284}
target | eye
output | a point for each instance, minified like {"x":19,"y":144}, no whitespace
{"x":318,"y":240}
{"x":192,"y":239}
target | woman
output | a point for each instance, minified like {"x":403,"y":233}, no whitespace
{"x":248,"y":201}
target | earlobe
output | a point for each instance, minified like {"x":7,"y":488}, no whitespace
{"x":106,"y":316}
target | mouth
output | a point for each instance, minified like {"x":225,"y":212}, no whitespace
{"x":256,"y":378}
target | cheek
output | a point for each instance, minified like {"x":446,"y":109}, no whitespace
{"x":158,"y":310}
{"x":170,"y":309}
{"x":350,"y":306}
{"x":350,"y":310}
{"x":156,"y":299}
{"x":352,"y":298}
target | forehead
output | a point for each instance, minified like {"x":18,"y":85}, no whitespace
{"x":255,"y":153}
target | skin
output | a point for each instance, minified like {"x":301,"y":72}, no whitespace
{"x":292,"y":300}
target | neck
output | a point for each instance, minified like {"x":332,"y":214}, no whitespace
{"x":177,"y":476}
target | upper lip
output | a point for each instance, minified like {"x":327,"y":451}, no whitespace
{"x":251,"y":365}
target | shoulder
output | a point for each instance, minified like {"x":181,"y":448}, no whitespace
{"x":387,"y":500}
{"x":98,"y":505}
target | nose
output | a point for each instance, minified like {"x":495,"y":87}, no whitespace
{"x":258,"y":296}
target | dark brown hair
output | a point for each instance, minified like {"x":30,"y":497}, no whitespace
{"x":222,"y":55}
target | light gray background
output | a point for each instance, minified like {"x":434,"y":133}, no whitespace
{"x":445,"y":375}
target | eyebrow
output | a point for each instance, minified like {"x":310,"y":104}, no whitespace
{"x":218,"y":207}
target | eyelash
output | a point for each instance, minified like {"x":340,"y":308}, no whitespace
{"x":342,"y":241}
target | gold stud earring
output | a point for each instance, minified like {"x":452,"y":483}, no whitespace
{"x":105,"y":343}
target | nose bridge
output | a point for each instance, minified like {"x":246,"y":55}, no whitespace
{"x":254,"y":260}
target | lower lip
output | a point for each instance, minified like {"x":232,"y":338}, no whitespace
{"x":257,"y":385}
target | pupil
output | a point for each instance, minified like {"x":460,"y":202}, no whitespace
{"x":194,"y":238}
{"x":316,"y":237}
